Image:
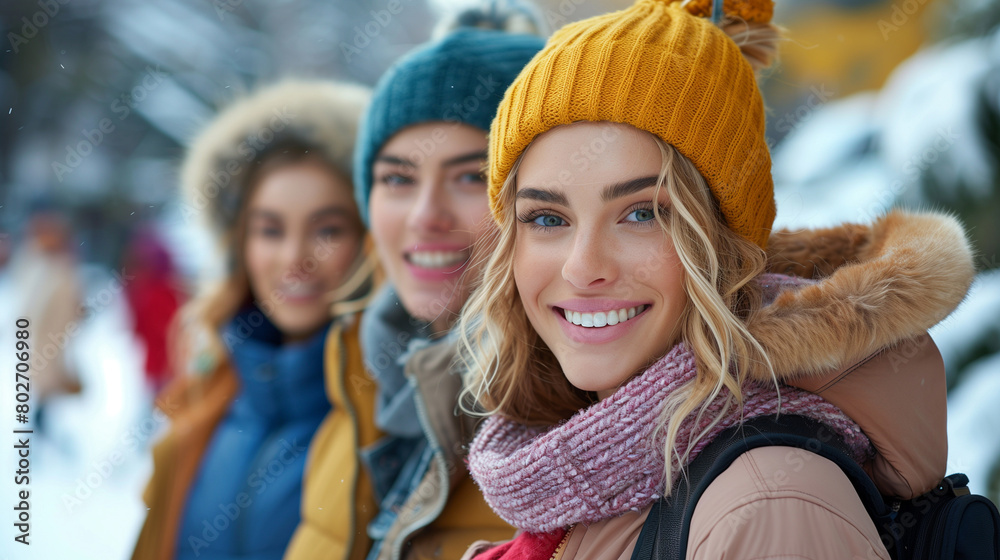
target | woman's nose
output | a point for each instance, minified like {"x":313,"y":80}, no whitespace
{"x":590,"y":262}
{"x":432,"y":212}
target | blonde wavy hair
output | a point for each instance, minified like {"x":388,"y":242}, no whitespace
{"x":510,"y":371}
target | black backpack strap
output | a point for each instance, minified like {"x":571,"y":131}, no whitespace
{"x":665,"y":533}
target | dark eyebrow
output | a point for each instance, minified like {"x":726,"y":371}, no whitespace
{"x":316,"y":215}
{"x":626,"y":188}
{"x":474,"y":156}
{"x":542,"y":195}
{"x":330,"y":211}
{"x":264,"y":214}
{"x":395,"y":160}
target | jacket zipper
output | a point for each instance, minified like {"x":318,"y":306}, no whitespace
{"x":349,"y":407}
{"x":558,"y":552}
{"x":404,"y":535}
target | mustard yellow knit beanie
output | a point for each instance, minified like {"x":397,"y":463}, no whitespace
{"x":661,"y":68}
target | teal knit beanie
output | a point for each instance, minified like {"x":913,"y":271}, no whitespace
{"x":460,"y":78}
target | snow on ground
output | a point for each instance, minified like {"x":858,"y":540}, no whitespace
{"x":87,"y":474}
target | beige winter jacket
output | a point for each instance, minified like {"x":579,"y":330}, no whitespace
{"x":858,"y":338}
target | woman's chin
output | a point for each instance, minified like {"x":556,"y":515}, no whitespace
{"x":295,"y":328}
{"x":428,"y":309}
{"x":604,"y":387}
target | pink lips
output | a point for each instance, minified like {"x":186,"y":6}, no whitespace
{"x":299,"y":299}
{"x":596,"y":335}
{"x":299,"y":292}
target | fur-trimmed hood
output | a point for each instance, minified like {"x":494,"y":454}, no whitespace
{"x":319,"y":113}
{"x":877,"y":285}
{"x":857,"y":334}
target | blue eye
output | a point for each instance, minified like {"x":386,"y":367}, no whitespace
{"x":641,"y":215}
{"x":395,"y":180}
{"x":270,"y":232}
{"x":548,"y":220}
{"x":330,"y":232}
{"x":472,"y":178}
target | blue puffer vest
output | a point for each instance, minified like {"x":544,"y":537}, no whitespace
{"x":245,"y":500}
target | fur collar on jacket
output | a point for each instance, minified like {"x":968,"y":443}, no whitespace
{"x":877,"y":285}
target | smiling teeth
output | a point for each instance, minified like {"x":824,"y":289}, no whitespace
{"x":603,"y":318}
{"x":437,"y":259}
{"x":299,"y":291}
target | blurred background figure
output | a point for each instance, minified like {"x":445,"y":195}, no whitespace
{"x":6,"y":248}
{"x":44,"y":273}
{"x":263,"y":352}
{"x":154,"y":296}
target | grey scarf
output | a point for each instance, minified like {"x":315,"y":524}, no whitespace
{"x":390,"y":336}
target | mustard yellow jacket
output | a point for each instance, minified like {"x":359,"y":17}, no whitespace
{"x":338,"y":500}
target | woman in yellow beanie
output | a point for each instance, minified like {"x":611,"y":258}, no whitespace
{"x":637,"y":312}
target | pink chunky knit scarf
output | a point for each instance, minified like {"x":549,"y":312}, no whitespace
{"x":603,"y":461}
